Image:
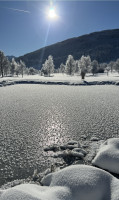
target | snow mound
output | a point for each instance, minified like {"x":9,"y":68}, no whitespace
{"x":77,"y":182}
{"x":108,"y":156}
{"x":35,"y":192}
{"x":85,"y":183}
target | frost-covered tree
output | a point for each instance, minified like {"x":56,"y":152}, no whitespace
{"x":22,"y":67}
{"x":26,"y":70}
{"x":7,"y":66}
{"x":116,"y":65}
{"x":14,"y":66}
{"x":57,"y":70}
{"x":32,"y":71}
{"x":4,"y":64}
{"x":111,"y":65}
{"x":107,"y":69}
{"x":62,"y":68}
{"x":77,"y":66}
{"x":17,"y":68}
{"x":94,"y":66}
{"x":85,"y":65}
{"x":2,"y":58}
{"x":48,"y":66}
{"x":101,"y":67}
{"x":70,"y":65}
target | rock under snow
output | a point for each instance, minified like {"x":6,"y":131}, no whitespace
{"x":94,"y":138}
{"x":72,"y":142}
{"x":51,"y":148}
{"x":79,"y":150}
{"x":69,"y":156}
{"x":77,"y":182}
{"x":108,"y":156}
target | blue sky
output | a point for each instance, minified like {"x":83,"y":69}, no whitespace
{"x":23,"y":32}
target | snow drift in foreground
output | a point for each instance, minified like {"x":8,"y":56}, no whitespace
{"x":77,"y":182}
{"x":108,"y":156}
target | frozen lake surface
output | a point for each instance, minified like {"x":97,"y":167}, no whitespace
{"x":33,"y":116}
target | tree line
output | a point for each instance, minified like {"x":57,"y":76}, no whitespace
{"x":12,"y":68}
{"x":82,"y":66}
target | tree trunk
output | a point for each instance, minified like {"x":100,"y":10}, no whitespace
{"x":22,"y":73}
{"x":2,"y":70}
{"x":83,"y":75}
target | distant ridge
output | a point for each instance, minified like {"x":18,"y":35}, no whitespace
{"x":102,"y":46}
{"x":10,"y":58}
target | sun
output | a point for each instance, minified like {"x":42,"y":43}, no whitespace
{"x":52,"y":13}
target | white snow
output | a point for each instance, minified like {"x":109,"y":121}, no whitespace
{"x":108,"y":156}
{"x":98,"y":114}
{"x":35,"y":116}
{"x":78,"y":182}
{"x":61,"y":78}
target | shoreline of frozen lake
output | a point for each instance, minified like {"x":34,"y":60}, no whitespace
{"x":63,"y":79}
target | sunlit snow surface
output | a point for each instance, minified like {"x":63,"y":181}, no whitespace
{"x":34,"y":116}
{"x":72,"y":183}
{"x":108,"y":156}
{"x":58,"y":77}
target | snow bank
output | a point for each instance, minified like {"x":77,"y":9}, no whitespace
{"x":79,"y":182}
{"x":108,"y":156}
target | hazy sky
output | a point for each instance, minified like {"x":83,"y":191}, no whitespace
{"x":25,"y":26}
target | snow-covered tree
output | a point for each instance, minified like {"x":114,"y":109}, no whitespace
{"x":2,"y":59}
{"x":107,"y":69}
{"x":116,"y":65}
{"x":85,"y":65}
{"x":14,"y":66}
{"x":77,"y":66}
{"x":48,"y":66}
{"x":4,"y":64}
{"x":22,"y":67}
{"x":26,"y":70}
{"x":57,"y":70}
{"x":7,"y":66}
{"x":17,"y":68}
{"x":111,"y":65}
{"x":62,"y":68}
{"x":32,"y":71}
{"x":102,"y":67}
{"x":70,"y":65}
{"x":94,"y":66}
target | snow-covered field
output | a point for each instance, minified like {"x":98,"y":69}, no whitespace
{"x":62,"y":79}
{"x":35,"y":116}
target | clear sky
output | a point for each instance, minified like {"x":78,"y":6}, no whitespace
{"x":25,"y":26}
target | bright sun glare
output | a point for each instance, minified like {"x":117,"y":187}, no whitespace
{"x":52,"y":13}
